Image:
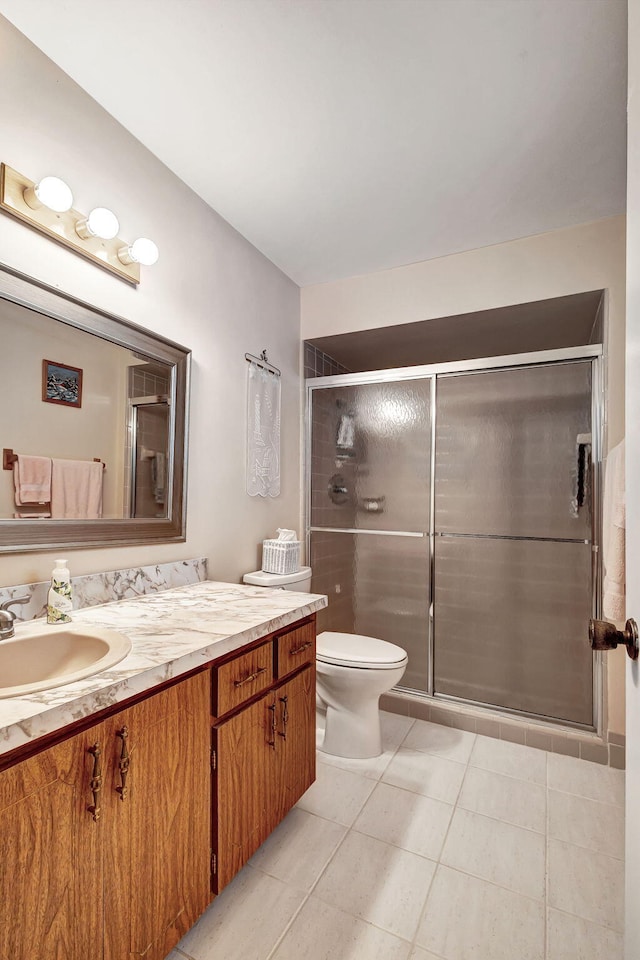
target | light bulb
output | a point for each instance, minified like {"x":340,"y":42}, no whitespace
{"x":100,"y":223}
{"x":51,"y":192}
{"x":140,"y":251}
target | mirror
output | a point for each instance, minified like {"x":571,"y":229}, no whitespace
{"x":79,"y":386}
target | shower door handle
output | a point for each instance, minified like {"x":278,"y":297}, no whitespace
{"x":606,"y":636}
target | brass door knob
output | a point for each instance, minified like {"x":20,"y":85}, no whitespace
{"x":606,"y":636}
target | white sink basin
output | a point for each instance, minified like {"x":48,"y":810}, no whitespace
{"x":43,"y":655}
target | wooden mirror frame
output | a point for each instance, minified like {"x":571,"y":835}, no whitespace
{"x":21,"y":536}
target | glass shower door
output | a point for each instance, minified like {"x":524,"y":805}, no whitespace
{"x":513,"y":540}
{"x":150,"y":480}
{"x":370,"y":513}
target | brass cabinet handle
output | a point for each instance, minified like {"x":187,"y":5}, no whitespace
{"x":95,"y":784}
{"x":303,"y":646}
{"x":252,"y":676}
{"x":285,"y":717}
{"x":272,"y":742}
{"x":123,"y":763}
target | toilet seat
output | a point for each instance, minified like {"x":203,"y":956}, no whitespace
{"x":357,"y":651}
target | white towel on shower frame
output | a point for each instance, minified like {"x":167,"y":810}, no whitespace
{"x":263,"y":432}
{"x":613,"y":535}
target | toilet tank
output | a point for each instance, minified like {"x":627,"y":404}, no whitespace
{"x":300,"y":581}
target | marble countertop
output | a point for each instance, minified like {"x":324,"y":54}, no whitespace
{"x":171,"y":632}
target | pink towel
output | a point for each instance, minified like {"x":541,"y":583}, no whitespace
{"x":76,"y":490}
{"x":32,"y":479}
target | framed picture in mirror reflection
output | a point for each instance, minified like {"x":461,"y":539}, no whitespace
{"x":61,"y":383}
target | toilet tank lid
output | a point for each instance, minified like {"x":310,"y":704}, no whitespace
{"x":355,"y":648}
{"x":262,"y":579}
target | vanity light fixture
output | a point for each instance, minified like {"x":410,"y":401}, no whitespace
{"x":51,"y":192}
{"x":140,"y":251}
{"x":100,"y":223}
{"x":46,"y":206}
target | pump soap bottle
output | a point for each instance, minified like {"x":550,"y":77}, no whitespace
{"x":59,"y":601}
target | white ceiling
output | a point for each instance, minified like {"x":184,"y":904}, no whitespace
{"x":348,"y":136}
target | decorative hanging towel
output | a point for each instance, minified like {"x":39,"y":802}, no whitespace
{"x":263,"y":433}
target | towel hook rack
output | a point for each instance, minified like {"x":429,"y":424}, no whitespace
{"x":263,"y":361}
{"x":8,"y":458}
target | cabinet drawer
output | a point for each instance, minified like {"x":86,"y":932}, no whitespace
{"x":296,"y":648}
{"x":240,"y":679}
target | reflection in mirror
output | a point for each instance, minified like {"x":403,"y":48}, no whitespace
{"x":122,"y":419}
{"x":149,"y":428}
{"x":79,"y":386}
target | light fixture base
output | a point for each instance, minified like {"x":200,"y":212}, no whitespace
{"x":61,"y":227}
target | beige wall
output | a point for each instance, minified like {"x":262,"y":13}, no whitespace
{"x":588,"y":257}
{"x":210,"y":290}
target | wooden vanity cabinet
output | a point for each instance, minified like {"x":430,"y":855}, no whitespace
{"x":50,"y":857}
{"x":113,"y":840}
{"x":132,"y":882}
{"x":240,"y":745}
{"x":157,"y":838}
{"x":264,"y":755}
{"x":295,"y":755}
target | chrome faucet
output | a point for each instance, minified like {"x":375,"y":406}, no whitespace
{"x":7,"y":617}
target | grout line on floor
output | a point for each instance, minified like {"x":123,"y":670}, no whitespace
{"x":309,"y":892}
{"x":286,"y":929}
{"x":581,"y":796}
{"x":594,"y":923}
{"x":425,"y":905}
{"x":396,"y":846}
{"x":500,"y":886}
{"x":509,"y":776}
{"x":508,"y":823}
{"x":581,"y":846}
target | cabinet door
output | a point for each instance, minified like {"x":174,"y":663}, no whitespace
{"x":295,"y":769}
{"x":51,"y":855}
{"x":157,"y":832}
{"x":245,"y":748}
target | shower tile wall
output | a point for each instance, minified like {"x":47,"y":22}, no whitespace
{"x":333,"y":561}
{"x":319,"y":364}
{"x":147,"y":383}
{"x":328,"y":467}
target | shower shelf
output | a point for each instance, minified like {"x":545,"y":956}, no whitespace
{"x":372,"y":505}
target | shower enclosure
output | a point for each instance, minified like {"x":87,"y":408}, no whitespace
{"x":452,"y":510}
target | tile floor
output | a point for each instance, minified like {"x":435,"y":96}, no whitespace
{"x":450,"y":846}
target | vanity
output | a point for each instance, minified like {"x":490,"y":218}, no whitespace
{"x":130,"y":799}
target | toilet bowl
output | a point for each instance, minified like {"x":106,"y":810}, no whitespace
{"x":352,"y":672}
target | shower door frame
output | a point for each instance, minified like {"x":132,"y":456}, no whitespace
{"x":590,"y":352}
{"x":133,"y":403}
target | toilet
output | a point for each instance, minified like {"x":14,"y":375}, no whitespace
{"x":352,"y":673}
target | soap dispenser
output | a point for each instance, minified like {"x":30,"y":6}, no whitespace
{"x":59,"y":601}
